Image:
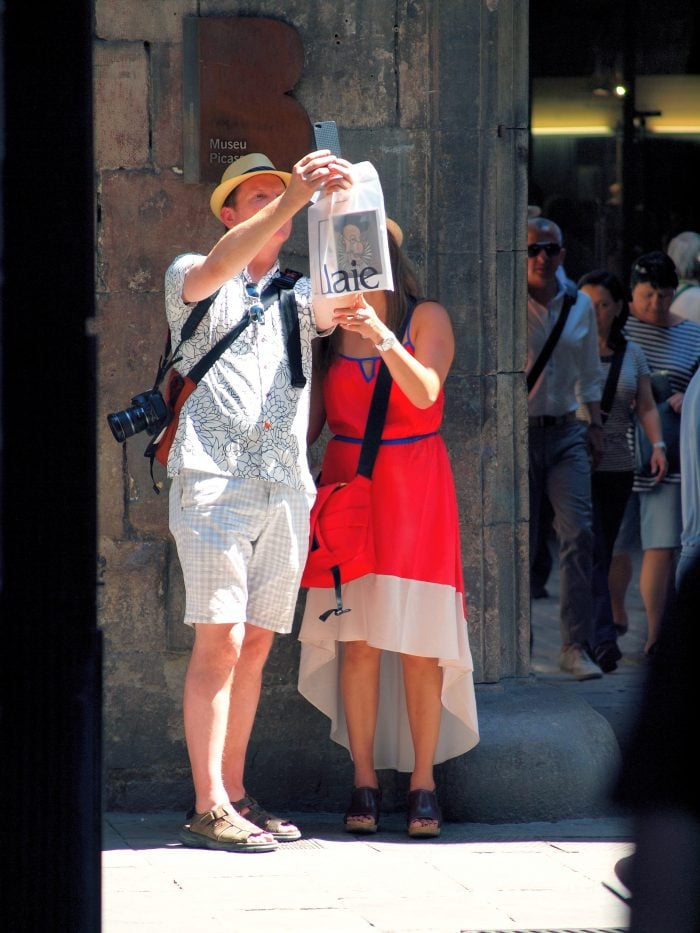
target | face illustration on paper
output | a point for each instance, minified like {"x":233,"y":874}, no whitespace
{"x":353,"y":247}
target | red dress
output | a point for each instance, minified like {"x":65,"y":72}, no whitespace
{"x":414,"y":602}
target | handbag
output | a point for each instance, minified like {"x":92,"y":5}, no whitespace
{"x":341,"y":540}
{"x":671,"y":431}
{"x":670,"y":428}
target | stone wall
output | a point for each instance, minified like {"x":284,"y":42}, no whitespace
{"x":435,"y":95}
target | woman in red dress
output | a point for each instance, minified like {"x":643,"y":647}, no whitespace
{"x":394,"y":674}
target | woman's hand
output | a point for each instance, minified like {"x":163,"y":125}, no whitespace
{"x":658,"y":464}
{"x":675,"y":401}
{"x":360,"y":317}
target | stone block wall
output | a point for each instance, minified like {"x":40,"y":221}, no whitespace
{"x":435,"y":95}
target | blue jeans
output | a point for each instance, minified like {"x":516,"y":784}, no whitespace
{"x":560,"y":468}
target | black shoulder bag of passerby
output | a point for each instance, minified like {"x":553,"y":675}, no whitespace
{"x":606,"y":401}
{"x":551,"y":341}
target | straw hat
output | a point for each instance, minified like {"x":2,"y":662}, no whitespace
{"x":394,"y":230}
{"x":238,"y":172}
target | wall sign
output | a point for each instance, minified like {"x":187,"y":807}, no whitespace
{"x":238,"y":72}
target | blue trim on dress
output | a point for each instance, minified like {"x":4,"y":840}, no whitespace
{"x":375,"y":359}
{"x":389,"y":440}
{"x":360,"y":360}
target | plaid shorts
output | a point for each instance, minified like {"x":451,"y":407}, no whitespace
{"x":242,"y":546}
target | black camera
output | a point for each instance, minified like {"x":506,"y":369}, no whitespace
{"x":148,"y":413}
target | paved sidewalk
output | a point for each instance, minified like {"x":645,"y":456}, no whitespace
{"x":473,"y":879}
{"x":617,"y":695}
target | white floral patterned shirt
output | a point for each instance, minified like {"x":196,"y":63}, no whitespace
{"x":244,"y":418}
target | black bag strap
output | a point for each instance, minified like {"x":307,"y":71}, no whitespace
{"x":194,"y":319}
{"x":551,"y":341}
{"x":280,"y":287}
{"x":377,"y":410}
{"x":611,"y":382}
{"x":292,"y":331}
{"x":370,"y":448}
{"x":375,"y":421}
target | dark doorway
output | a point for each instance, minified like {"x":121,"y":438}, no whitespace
{"x":618,"y":194}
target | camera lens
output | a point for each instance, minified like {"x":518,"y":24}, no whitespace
{"x":148,"y":412}
{"x":126,"y":423}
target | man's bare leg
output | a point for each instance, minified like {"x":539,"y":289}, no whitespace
{"x":244,"y":698}
{"x":243,"y":706}
{"x":206,"y":708}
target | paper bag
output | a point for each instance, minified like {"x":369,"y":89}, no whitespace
{"x":348,"y":244}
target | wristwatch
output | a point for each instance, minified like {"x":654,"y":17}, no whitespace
{"x":660,"y":444}
{"x":386,"y":344}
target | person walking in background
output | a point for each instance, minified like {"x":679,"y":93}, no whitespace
{"x":393,"y":674}
{"x":241,"y":486}
{"x":671,"y":345}
{"x":626,"y":393}
{"x":690,"y":479}
{"x":684,"y":250}
{"x":561,"y":447}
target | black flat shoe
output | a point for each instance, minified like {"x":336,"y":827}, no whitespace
{"x":606,"y":656}
{"x":362,"y":815}
{"x":423,"y":805}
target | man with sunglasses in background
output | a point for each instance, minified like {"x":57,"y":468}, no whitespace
{"x":563,"y":449}
{"x":241,"y":487}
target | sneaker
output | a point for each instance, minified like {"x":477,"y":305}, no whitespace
{"x":574,"y":660}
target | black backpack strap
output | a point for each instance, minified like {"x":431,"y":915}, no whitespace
{"x":292,"y":331}
{"x":212,"y":355}
{"x":279,"y":288}
{"x":282,"y":288}
{"x":550,"y":343}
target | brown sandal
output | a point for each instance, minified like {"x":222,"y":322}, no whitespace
{"x":362,"y":815}
{"x":423,"y":807}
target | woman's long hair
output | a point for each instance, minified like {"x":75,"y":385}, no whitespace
{"x":406,"y":289}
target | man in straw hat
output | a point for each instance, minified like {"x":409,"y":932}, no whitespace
{"x":241,"y":488}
